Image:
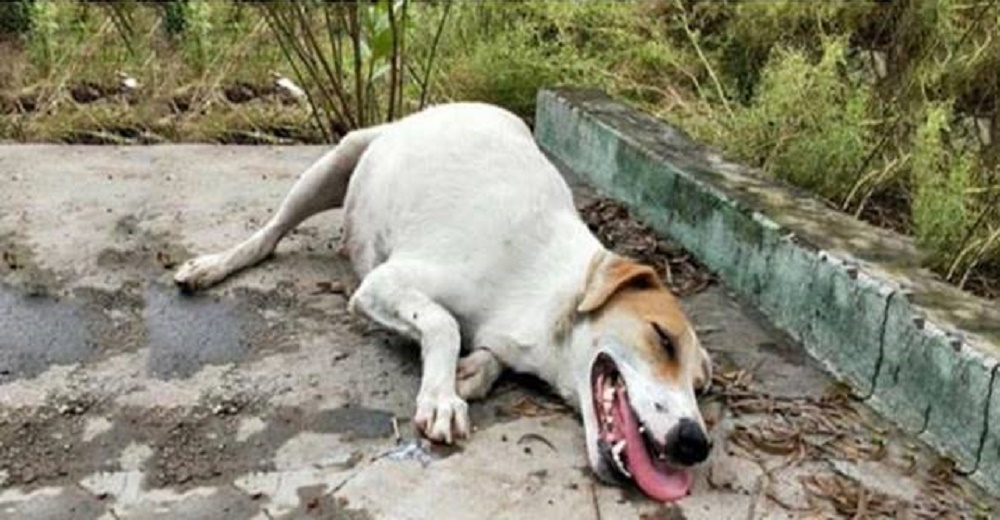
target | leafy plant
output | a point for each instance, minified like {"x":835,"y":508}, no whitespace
{"x":351,"y":57}
{"x":807,"y":122}
{"x":16,"y":17}
{"x":940,"y":179}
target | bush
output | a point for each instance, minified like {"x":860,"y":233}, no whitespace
{"x":807,"y":122}
{"x":16,"y":17}
{"x":940,"y":179}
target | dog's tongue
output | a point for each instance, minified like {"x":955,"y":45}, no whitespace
{"x":659,"y":481}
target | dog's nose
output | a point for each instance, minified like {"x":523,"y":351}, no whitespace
{"x":687,"y":443}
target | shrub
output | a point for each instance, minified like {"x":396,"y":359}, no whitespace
{"x":16,"y":17}
{"x":940,"y":178}
{"x":807,"y":122}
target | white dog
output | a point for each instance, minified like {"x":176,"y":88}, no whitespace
{"x":464,"y":235}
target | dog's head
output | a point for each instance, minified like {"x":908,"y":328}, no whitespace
{"x":643,"y":364}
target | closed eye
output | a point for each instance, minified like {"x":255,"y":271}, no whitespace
{"x":666,"y":341}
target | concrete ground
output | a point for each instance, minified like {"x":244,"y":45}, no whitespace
{"x":121,"y":398}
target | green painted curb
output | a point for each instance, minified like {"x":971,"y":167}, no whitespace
{"x":923,"y":353}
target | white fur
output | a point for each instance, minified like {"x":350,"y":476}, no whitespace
{"x":463,"y":234}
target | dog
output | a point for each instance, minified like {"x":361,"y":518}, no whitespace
{"x":465,"y":238}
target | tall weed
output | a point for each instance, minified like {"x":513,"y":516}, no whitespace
{"x":807,"y":122}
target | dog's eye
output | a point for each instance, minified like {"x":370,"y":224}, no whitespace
{"x":666,"y":341}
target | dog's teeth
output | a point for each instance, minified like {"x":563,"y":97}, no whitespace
{"x":642,"y":429}
{"x":616,"y":453}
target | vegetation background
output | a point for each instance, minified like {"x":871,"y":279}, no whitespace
{"x":887,"y":110}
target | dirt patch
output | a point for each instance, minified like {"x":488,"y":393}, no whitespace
{"x":42,"y":446}
{"x":201,"y":447}
{"x":178,"y":448}
{"x":140,"y":250}
{"x":187,"y":332}
{"x":985,"y":281}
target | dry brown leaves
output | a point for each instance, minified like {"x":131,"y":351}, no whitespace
{"x":797,"y":427}
{"x":613,"y":225}
{"x":830,"y":427}
{"x":332,"y":287}
{"x":944,"y":497}
{"x":850,"y":498}
{"x":528,"y":406}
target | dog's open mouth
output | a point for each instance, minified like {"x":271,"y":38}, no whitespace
{"x":623,"y":442}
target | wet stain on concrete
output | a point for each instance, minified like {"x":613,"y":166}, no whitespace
{"x":42,"y":328}
{"x":37,"y":331}
{"x":42,"y":324}
{"x":189,"y":332}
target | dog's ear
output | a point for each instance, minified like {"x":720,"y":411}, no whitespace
{"x":614,"y":275}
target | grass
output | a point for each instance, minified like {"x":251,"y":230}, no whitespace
{"x":183,"y":76}
{"x":888,"y":111}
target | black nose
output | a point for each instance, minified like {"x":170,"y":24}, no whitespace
{"x":687,"y":443}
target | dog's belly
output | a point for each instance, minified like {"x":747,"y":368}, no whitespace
{"x":460,"y":187}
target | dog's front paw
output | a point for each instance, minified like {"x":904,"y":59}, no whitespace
{"x":201,"y":272}
{"x":443,"y":417}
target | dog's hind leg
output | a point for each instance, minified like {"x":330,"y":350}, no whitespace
{"x":320,"y":188}
{"x":477,"y":371}
{"x":392,"y":296}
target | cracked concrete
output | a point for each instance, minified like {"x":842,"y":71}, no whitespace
{"x":121,"y":398}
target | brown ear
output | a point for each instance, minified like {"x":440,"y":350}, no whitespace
{"x":612,"y":276}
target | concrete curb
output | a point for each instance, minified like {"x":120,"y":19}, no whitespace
{"x":921,"y":352}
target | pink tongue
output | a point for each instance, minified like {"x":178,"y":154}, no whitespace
{"x":659,"y":481}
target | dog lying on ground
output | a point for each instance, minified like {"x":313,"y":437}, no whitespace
{"x":465,"y":239}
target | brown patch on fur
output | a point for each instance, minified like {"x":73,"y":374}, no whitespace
{"x":628,"y":292}
{"x":613,"y":276}
{"x":654,"y":305}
